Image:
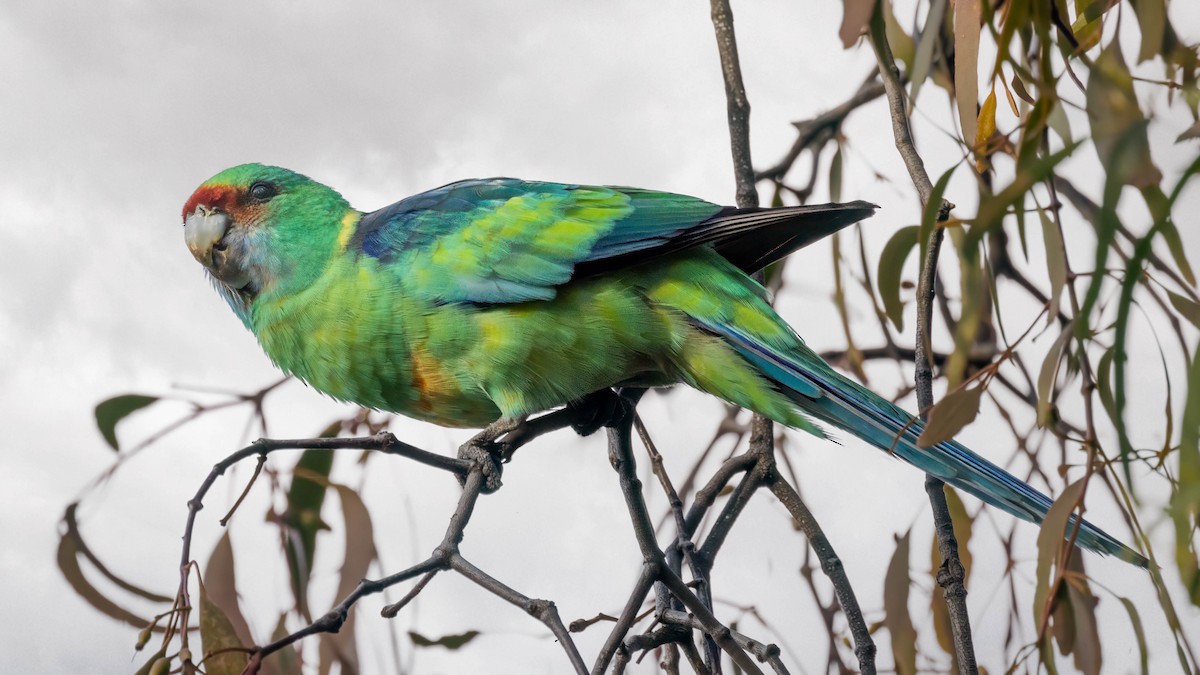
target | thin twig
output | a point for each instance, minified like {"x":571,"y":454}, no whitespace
{"x":864,"y":646}
{"x":950,"y":576}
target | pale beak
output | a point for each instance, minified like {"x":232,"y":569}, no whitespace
{"x":203,"y":230}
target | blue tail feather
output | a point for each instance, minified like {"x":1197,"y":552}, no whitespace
{"x":828,"y":396}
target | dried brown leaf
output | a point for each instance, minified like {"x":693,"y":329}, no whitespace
{"x":855,"y":15}
{"x":950,"y":415}
{"x":220,"y":581}
{"x":1050,"y":542}
{"x":360,"y":552}
{"x":967,"y":15}
{"x":895,"y":606}
{"x":68,"y":564}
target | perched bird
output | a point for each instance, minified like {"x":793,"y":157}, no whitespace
{"x":503,"y":297}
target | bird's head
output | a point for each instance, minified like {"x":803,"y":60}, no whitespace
{"x":255,"y":227}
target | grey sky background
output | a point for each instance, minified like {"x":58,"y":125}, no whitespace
{"x":112,"y":113}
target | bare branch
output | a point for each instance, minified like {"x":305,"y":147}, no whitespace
{"x":952,"y":581}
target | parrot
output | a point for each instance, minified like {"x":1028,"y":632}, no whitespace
{"x":497,"y":298}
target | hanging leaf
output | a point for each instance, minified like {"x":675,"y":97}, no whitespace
{"x":217,"y":634}
{"x":835,"y":175}
{"x":115,"y":409}
{"x":360,"y":552}
{"x":68,"y":564}
{"x":930,"y":36}
{"x":901,"y":43}
{"x":72,"y":531}
{"x":1104,"y":381}
{"x":855,"y":15}
{"x":1047,"y":376}
{"x":1050,"y":542}
{"x":1152,"y":18}
{"x":1058,"y":122}
{"x":891,"y":265}
{"x":950,"y":415}
{"x":966,"y":64}
{"x":1138,"y":632}
{"x":1089,"y":25}
{"x":1185,"y":504}
{"x":1012,"y":102}
{"x":1021,"y":91}
{"x":895,"y":606}
{"x":1186,"y":308}
{"x":303,"y":518}
{"x":450,"y":642}
{"x":1118,"y":126}
{"x":220,"y":582}
{"x":1056,"y":264}
{"x":1190,"y":133}
{"x":1080,"y":633}
{"x":992,"y":209}
{"x":985,"y":126}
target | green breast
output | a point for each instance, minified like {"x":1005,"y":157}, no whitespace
{"x":345,"y":335}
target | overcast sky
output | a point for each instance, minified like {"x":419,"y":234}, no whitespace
{"x":113,"y":112}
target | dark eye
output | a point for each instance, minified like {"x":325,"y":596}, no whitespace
{"x":261,"y":191}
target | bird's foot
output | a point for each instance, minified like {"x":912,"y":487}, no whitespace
{"x":599,"y":409}
{"x":484,"y":451}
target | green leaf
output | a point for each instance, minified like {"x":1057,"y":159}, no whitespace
{"x":891,"y":265}
{"x":1138,"y":632}
{"x":835,"y":175}
{"x":950,"y":415}
{"x":901,"y":43}
{"x":985,"y":126}
{"x":992,"y":209}
{"x":895,"y":606}
{"x":450,"y":642}
{"x":1047,"y":376}
{"x":1186,"y":308}
{"x":1058,"y":122}
{"x":1104,"y":381}
{"x":1152,"y":17}
{"x":1050,"y":541}
{"x":303,"y":517}
{"x":1118,"y":125}
{"x":115,"y":409}
{"x":1019,"y":87}
{"x":217,"y":633}
{"x":930,"y":36}
{"x":1056,"y":264}
{"x":1185,"y":504}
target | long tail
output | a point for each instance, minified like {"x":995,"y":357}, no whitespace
{"x":824,"y":394}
